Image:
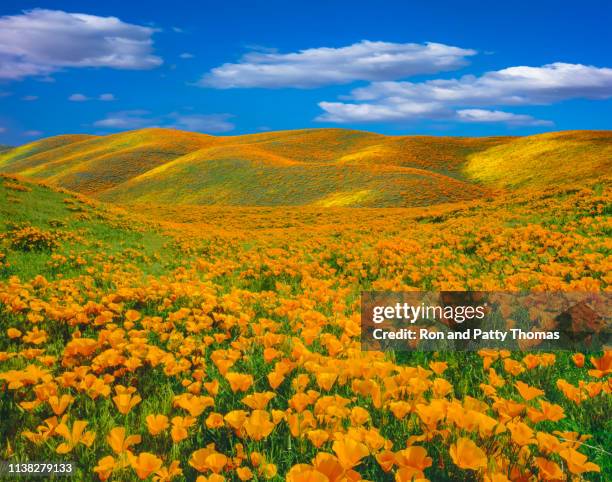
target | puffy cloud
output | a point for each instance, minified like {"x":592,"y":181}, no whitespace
{"x":38,"y":42}
{"x":106,"y":97}
{"x":366,"y":60}
{"x":343,"y":112}
{"x":137,"y":119}
{"x":186,"y":55}
{"x":511,"y":86}
{"x":78,"y":98}
{"x":390,"y":101}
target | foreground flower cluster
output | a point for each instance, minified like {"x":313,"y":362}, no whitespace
{"x":243,"y":361}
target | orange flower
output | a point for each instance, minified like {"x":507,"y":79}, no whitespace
{"x":73,"y":437}
{"x":144,"y":464}
{"x":156,"y":424}
{"x":552,"y":411}
{"x":548,"y":443}
{"x":414,"y":457}
{"x":214,"y":421}
{"x":438,"y":367}
{"x":244,"y":473}
{"x":239,"y":381}
{"x":317,"y":437}
{"x":326,"y":380}
{"x":275,"y":379}
{"x":513,"y":367}
{"x":400,"y":409}
{"x":329,"y":465}
{"x":132,"y":315}
{"x":603,"y":365}
{"x":258,"y":426}
{"x":527,"y":392}
{"x":386,"y":460}
{"x":13,"y":333}
{"x":119,"y":442}
{"x":125,"y":402}
{"x":359,"y":415}
{"x":305,"y":473}
{"x":349,"y":452}
{"x":105,"y":467}
{"x":467,"y":455}
{"x":193,"y":404}
{"x":549,"y":470}
{"x":180,"y":426}
{"x":198,"y":459}
{"x":212,"y":387}
{"x":578,"y":359}
{"x":521,"y":433}
{"x":166,"y":474}
{"x":59,"y":405}
{"x":576,"y":462}
{"x":236,"y":419}
{"x":431,"y":414}
{"x":216,"y":461}
{"x":259,"y":400}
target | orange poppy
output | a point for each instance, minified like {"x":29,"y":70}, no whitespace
{"x":59,"y":405}
{"x":349,"y":452}
{"x":467,"y":455}
{"x":119,"y":442}
{"x":126,"y":401}
{"x":144,"y":464}
{"x":156,"y":424}
{"x":74,"y":436}
{"x":258,"y":426}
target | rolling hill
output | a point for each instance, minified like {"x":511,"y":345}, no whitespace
{"x":320,"y":167}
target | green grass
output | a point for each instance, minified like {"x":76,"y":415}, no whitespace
{"x":86,"y":230}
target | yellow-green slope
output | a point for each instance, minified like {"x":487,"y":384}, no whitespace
{"x":543,"y":160}
{"x":328,"y":167}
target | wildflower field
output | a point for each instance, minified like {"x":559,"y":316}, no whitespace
{"x":210,"y":343}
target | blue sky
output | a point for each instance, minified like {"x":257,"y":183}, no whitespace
{"x":419,"y":67}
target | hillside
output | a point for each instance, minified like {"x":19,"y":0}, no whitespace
{"x":321,"y":167}
{"x":544,"y":160}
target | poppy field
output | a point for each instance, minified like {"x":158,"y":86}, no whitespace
{"x":212,"y":343}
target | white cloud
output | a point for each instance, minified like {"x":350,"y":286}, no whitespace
{"x":438,"y":99}
{"x":106,"y":97}
{"x":341,"y":112}
{"x":38,"y":42}
{"x":211,"y":123}
{"x":483,"y":115}
{"x":78,"y":98}
{"x":366,"y":60}
{"x":29,"y":98}
{"x":127,"y":119}
{"x":511,"y":86}
{"x":186,"y":55}
{"x":138,"y":119}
